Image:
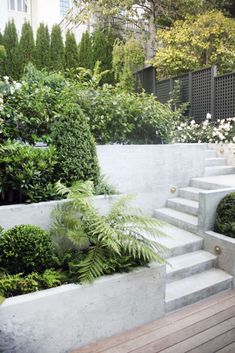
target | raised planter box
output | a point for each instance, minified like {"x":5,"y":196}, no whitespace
{"x":39,"y":214}
{"x":61,"y":319}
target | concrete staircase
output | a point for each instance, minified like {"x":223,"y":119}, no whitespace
{"x":191,"y":272}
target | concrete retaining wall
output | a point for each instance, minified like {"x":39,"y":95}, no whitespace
{"x":39,"y":213}
{"x":226,"y":260}
{"x":60,"y":319}
{"x":208,"y":202}
{"x":151,"y":170}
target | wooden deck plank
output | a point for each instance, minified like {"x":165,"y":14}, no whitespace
{"x":183,"y":334}
{"x":203,"y":337}
{"x":230,"y":348}
{"x":215,"y":344}
{"x":193,"y":314}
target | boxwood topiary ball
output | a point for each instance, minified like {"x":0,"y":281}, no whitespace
{"x":26,"y":249}
{"x":225,"y":216}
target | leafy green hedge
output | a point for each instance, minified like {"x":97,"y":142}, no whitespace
{"x":27,"y":174}
{"x":116,"y":116}
{"x":225,"y":216}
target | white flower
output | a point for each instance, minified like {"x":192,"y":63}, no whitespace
{"x":6,"y":78}
{"x":234,"y":139}
{"x":18,"y":85}
{"x":208,"y":116}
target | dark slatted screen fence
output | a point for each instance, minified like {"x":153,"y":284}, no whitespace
{"x":203,"y":90}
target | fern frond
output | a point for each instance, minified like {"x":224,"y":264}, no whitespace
{"x":93,"y":265}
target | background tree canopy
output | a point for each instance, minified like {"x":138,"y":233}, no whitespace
{"x":195,"y":43}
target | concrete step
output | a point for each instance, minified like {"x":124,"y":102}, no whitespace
{"x":183,"y":205}
{"x":212,"y":162}
{"x":179,"y":241}
{"x":189,"y":264}
{"x":190,"y":192}
{"x":203,"y":184}
{"x":194,"y":288}
{"x":220,"y":170}
{"x":211,"y":154}
{"x":177,"y":218}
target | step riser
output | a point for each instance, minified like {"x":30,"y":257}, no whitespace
{"x":176,"y":222}
{"x":214,"y":162}
{"x":189,"y":195}
{"x":182,"y":208}
{"x":194,"y":297}
{"x":203,"y":185}
{"x":211,"y":154}
{"x":183,"y":273}
{"x":187,"y":248}
{"x":216,"y":172}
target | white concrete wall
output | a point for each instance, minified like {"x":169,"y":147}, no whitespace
{"x":40,"y":213}
{"x":61,"y":319}
{"x":226,"y":150}
{"x":151,"y":170}
{"x":208,"y":202}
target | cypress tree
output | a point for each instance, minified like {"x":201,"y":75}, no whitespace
{"x":11,"y":64}
{"x":57,"y":49}
{"x":42,"y":50}
{"x":2,"y":54}
{"x":103,"y":41}
{"x":26,"y":46}
{"x":85,"y":51}
{"x":71,"y":51}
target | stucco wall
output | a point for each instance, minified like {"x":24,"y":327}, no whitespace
{"x":60,"y":319}
{"x":151,"y":170}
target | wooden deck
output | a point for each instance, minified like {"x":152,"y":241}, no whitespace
{"x":205,"y":327}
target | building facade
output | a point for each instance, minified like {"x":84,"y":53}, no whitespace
{"x":49,"y":12}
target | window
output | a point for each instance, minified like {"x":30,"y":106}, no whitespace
{"x":64,"y":7}
{"x":11,"y":4}
{"x":19,"y":5}
{"x":25,"y":5}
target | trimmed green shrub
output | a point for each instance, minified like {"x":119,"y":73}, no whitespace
{"x":11,"y":285}
{"x":11,"y":62}
{"x":25,"y":249}
{"x":26,"y":45}
{"x":57,"y":49}
{"x":225,"y":216}
{"x":26,"y":173}
{"x":77,"y":159}
{"x":70,"y":51}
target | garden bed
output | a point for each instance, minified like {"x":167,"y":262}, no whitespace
{"x":67,"y":317}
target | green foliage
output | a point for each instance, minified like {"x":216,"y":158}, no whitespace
{"x":102,"y":48}
{"x":71,"y":51}
{"x":77,"y":159}
{"x":57,"y":49}
{"x":195,"y":43}
{"x":28,"y":107}
{"x":26,"y":173}
{"x":11,"y":285}
{"x":127,"y":57}
{"x":25,"y":249}
{"x":26,"y":45}
{"x":117,"y":116}
{"x":42,"y":50}
{"x":104,"y":188}
{"x":225,"y":216}
{"x":10,"y":41}
{"x":85,"y":51}
{"x":105,"y":239}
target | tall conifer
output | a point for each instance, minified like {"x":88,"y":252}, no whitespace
{"x":11,"y":63}
{"x":57,"y":49}
{"x":26,"y":45}
{"x":42,"y":50}
{"x":71,"y":51}
{"x":85,"y":51}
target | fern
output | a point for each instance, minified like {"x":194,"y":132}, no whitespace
{"x":123,"y":232}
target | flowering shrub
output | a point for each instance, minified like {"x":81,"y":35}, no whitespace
{"x":220,"y":131}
